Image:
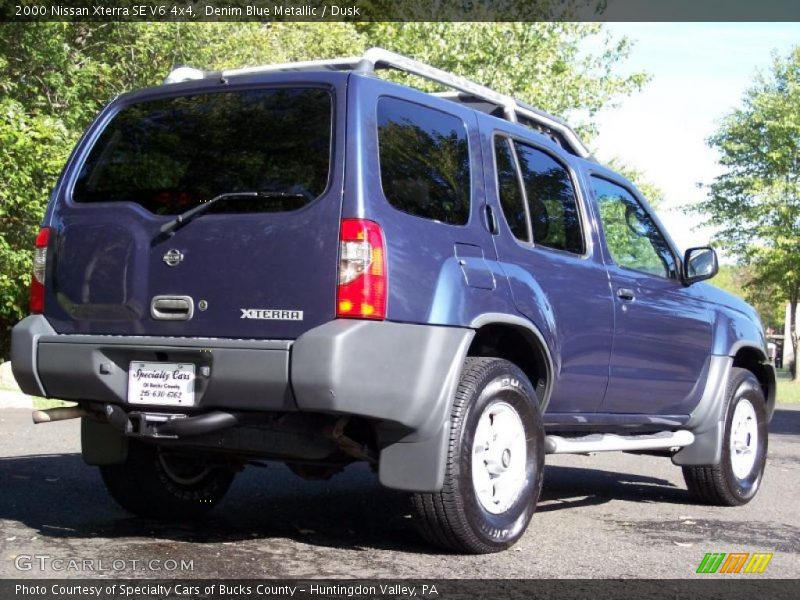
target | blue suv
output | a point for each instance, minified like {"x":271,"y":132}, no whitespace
{"x":310,"y":264}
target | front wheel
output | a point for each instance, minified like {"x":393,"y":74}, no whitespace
{"x":156,"y":484}
{"x":737,"y":478}
{"x":495,"y":462}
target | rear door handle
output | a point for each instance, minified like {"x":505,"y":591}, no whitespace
{"x":491,"y":221}
{"x":172,"y":308}
{"x":625,"y":294}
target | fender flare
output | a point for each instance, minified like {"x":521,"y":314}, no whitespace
{"x":707,"y":420}
{"x":534,"y":335}
{"x":418,"y":465}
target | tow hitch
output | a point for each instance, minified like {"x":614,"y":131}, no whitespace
{"x":170,"y":426}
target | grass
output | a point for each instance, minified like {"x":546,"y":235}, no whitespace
{"x":45,"y":403}
{"x":41,"y":403}
{"x":788,"y":390}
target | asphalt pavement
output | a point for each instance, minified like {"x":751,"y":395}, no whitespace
{"x":607,"y":515}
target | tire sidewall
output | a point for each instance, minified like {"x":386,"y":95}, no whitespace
{"x":743,"y":489}
{"x":504,"y":383}
{"x":141,"y":486}
{"x":209,"y":488}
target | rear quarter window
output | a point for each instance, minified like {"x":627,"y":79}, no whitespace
{"x":171,"y":154}
{"x":424,"y":161}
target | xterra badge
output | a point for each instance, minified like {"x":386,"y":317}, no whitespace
{"x":272,"y":314}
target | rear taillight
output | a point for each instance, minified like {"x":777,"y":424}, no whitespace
{"x":362,"y":271}
{"x":39,"y":268}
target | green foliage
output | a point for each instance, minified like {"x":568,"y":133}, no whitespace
{"x":54,"y":77}
{"x":728,"y":279}
{"x":652,"y":193}
{"x":630,"y":247}
{"x":483,"y":10}
{"x":767,"y":300}
{"x":32,"y":151}
{"x":788,"y":391}
{"x":755,"y":203}
{"x":540,"y":63}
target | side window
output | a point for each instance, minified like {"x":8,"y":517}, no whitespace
{"x":631,"y":235}
{"x":552,"y":204}
{"x":511,"y":199}
{"x":548,"y":198}
{"x":424,"y":161}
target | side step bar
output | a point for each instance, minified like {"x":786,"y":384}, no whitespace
{"x":608,"y":442}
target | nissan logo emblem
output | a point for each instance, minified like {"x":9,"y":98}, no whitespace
{"x":173,"y":257}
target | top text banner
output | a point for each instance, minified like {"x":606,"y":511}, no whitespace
{"x":266,"y":11}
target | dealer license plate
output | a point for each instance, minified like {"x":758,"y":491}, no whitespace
{"x":169,"y":384}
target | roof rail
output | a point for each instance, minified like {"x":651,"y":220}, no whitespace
{"x":378,"y":58}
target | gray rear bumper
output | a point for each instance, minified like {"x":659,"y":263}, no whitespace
{"x":241,"y":374}
{"x":401,"y":375}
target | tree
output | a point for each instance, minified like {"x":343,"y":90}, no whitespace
{"x":755,"y":203}
{"x":652,"y":193}
{"x":541,"y":63}
{"x":28,"y":168}
{"x":741,"y":281}
{"x":54,"y":77}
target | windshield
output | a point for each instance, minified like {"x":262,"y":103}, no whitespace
{"x":173,"y":154}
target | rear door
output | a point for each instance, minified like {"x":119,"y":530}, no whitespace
{"x":555,"y":270}
{"x":250,"y":267}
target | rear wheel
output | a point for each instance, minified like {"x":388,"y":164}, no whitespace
{"x":494,"y":464}
{"x":737,"y":478}
{"x":156,"y":484}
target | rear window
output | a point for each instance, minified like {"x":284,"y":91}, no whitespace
{"x":170,"y":155}
{"x":424,"y":159}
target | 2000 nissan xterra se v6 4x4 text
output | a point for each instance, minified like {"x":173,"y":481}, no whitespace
{"x":310,"y":264}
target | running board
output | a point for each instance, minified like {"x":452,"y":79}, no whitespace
{"x":608,"y":442}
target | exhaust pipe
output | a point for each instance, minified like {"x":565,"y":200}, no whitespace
{"x":58,"y":414}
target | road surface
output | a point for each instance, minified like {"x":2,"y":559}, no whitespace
{"x":607,"y":515}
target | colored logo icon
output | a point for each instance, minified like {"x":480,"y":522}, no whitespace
{"x":735,"y":562}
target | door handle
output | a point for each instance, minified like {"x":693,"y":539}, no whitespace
{"x":491,"y":221}
{"x":625,"y":294}
{"x":172,"y":308}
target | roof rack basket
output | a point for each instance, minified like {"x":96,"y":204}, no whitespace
{"x":378,"y":58}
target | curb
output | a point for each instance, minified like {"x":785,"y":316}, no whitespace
{"x":11,"y":399}
{"x":10,"y":394}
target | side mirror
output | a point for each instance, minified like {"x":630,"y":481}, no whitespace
{"x":699,"y":264}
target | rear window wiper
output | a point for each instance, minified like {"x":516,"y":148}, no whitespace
{"x":198,"y":210}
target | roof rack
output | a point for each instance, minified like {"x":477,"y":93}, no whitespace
{"x":378,"y":58}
